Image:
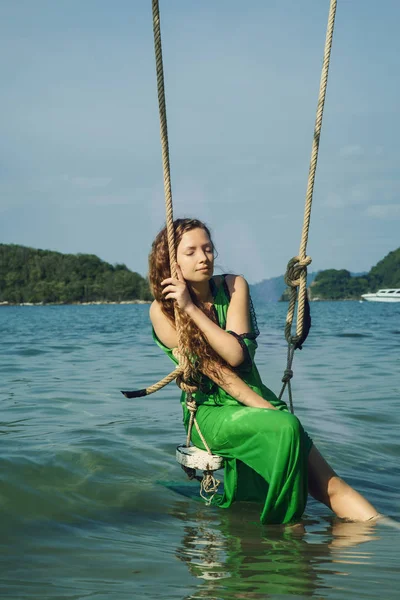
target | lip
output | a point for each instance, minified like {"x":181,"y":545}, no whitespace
{"x":204,"y":269}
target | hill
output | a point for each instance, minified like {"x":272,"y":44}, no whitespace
{"x":35,"y":276}
{"x":29,"y":275}
{"x":272,"y":290}
{"x":340,"y":284}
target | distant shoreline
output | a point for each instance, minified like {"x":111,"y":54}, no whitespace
{"x":97,"y":303}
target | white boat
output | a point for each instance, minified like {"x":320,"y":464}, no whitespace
{"x":387,"y":295}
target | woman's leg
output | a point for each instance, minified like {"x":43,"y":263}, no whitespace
{"x":327,"y":487}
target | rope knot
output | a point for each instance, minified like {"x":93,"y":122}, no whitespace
{"x":295,"y":267}
{"x":183,"y":378}
{"x":208,"y":486}
{"x":191,"y":405}
{"x":287,"y":376}
{"x":184,"y":386}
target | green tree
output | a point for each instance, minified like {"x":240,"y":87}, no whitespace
{"x":335,"y":284}
{"x":34,"y":275}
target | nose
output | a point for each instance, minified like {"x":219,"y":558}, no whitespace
{"x":203,"y":256}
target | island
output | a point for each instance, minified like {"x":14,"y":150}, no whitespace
{"x":340,"y":284}
{"x":34,"y":276}
{"x":333,"y":284}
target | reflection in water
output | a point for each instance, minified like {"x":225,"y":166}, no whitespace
{"x":236,"y":557}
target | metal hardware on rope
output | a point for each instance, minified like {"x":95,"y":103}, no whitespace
{"x":296,"y":274}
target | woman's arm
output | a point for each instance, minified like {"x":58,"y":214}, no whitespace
{"x":238,"y":389}
{"x":237,"y":320}
{"x":222,"y":342}
{"x":225,"y":378}
{"x":238,"y":316}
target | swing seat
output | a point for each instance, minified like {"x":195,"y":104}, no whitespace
{"x":194,"y":458}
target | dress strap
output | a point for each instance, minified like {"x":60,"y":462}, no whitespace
{"x":213,"y":288}
{"x":225,"y":286}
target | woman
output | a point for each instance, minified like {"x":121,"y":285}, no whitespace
{"x":269,"y":457}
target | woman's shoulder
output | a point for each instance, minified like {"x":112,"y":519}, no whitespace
{"x":231,"y":286}
{"x":163,"y":328}
{"x":230,"y":279}
{"x":157,"y":317}
{"x":155,"y":311}
{"x":236,"y":284}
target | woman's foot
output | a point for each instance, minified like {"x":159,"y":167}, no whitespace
{"x":327,"y":487}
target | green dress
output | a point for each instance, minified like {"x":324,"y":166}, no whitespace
{"x":265,"y":451}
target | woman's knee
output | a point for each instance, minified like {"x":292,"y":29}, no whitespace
{"x":290,"y":424}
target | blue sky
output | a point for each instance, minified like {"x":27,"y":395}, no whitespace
{"x":80,"y":160}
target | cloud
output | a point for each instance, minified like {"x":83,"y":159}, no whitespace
{"x":351,"y":150}
{"x":383,"y":211}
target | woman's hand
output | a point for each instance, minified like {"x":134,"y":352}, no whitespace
{"x":176,"y":289}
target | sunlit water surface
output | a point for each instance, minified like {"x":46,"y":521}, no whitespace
{"x":83,"y":512}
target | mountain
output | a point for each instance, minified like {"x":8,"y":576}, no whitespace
{"x":35,"y":276}
{"x":333,"y":284}
{"x":271,"y":290}
{"x":29,"y":275}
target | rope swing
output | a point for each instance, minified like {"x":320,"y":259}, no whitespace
{"x":188,"y":456}
{"x":296,"y":272}
{"x":209,"y":485}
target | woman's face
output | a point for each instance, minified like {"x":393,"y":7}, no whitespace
{"x":195,"y":255}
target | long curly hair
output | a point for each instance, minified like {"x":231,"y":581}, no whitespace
{"x":195,"y":343}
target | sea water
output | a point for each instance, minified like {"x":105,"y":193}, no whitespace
{"x":83,"y":513}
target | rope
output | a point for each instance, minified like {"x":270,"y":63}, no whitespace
{"x":164,"y":136}
{"x":287,"y":376}
{"x":182,"y":373}
{"x":209,"y":485}
{"x":296,"y":273}
{"x":192,"y":408}
{"x":183,"y":358}
{"x":154,"y":388}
